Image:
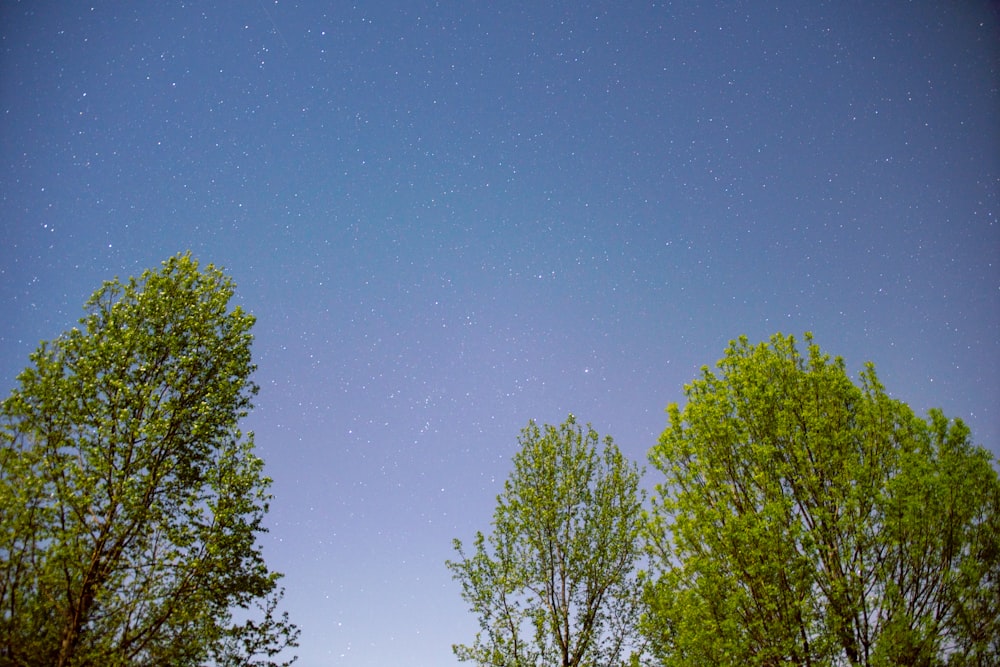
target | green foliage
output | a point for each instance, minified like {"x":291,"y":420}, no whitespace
{"x":555,"y":582}
{"x":806,"y":520}
{"x":130,"y":500}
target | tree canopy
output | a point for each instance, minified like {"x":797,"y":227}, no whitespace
{"x":555,"y":583}
{"x":805,"y":519}
{"x":130,"y":499}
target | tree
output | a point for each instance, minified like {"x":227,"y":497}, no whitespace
{"x":555,"y":583}
{"x":807,"y":520}
{"x":130,"y":499}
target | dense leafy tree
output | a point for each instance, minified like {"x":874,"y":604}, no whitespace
{"x":554,"y":584}
{"x":807,"y":520}
{"x":130,"y":500}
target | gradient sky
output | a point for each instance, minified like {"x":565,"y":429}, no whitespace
{"x":453,"y":217}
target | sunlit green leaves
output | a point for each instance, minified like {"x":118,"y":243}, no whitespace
{"x":806,"y":519}
{"x":555,"y":583}
{"x":131,"y":501}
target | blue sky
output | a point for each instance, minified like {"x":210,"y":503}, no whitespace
{"x":453,"y":217}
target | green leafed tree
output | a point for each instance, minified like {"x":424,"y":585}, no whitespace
{"x":808,"y":520}
{"x":129,"y":499}
{"x":555,"y":584}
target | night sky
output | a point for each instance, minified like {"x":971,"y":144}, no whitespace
{"x":452,"y":217}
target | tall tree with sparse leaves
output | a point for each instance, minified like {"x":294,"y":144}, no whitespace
{"x":130,"y":500}
{"x":555,"y":582}
{"x":807,"y":520}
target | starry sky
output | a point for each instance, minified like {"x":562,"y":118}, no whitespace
{"x":452,"y":217}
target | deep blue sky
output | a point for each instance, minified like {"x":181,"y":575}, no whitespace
{"x":453,"y":217}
